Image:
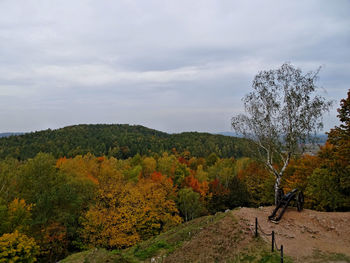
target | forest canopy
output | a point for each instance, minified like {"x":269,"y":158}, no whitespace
{"x":118,"y":140}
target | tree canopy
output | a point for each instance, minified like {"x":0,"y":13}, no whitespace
{"x":118,"y":140}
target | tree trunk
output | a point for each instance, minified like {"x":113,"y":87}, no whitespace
{"x":277,"y":188}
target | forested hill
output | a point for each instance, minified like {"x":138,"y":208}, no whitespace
{"x":8,"y":134}
{"x":118,"y":140}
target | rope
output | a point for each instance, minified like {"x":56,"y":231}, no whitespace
{"x":278,"y":249}
{"x":266,"y":234}
{"x":263,"y":231}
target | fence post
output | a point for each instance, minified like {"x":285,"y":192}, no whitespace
{"x":281,"y":253}
{"x":273,"y":241}
{"x":256,"y":227}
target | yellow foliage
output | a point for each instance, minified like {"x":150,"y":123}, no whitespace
{"x":80,"y":167}
{"x":127,"y":213}
{"x":157,"y":209}
{"x":298,"y":171}
{"x":109,"y":227}
{"x":17,"y":247}
{"x":18,"y":205}
{"x":149,"y":165}
{"x":18,"y":215}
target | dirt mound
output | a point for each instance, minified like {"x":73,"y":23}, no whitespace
{"x":303,"y":233}
{"x":217,"y":242}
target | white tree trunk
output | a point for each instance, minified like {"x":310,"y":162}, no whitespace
{"x":277,"y":187}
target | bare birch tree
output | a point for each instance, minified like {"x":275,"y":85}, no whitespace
{"x":283,"y":113}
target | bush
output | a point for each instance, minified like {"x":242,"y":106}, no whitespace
{"x":17,"y":247}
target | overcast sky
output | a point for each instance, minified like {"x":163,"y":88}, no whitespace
{"x":169,"y":65}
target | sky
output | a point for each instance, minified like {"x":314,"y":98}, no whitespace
{"x":173,"y":66}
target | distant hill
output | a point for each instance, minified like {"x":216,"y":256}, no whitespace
{"x":8,"y":134}
{"x":119,"y":140}
{"x":321,"y":138}
{"x":232,"y":134}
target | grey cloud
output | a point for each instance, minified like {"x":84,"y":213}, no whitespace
{"x":168,"y":65}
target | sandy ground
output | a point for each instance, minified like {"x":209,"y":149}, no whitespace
{"x":303,"y":233}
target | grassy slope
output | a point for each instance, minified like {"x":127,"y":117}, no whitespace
{"x":217,"y":238}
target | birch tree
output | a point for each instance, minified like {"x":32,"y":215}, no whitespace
{"x":282,"y":114}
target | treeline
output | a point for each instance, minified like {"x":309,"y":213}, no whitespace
{"x":117,"y":140}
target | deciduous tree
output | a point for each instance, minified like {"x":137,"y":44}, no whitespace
{"x":329,"y":185}
{"x":189,"y":203}
{"x":282,"y":114}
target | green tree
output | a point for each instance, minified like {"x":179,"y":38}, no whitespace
{"x":339,"y":137}
{"x":9,"y":176}
{"x":15,"y":216}
{"x":212,"y":158}
{"x":189,"y":203}
{"x":38,"y":186}
{"x":59,"y":196}
{"x":323,"y":191}
{"x":329,"y":185}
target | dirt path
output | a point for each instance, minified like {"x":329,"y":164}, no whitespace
{"x":303,"y":233}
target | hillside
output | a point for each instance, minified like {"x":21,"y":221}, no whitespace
{"x":118,"y":140}
{"x":308,"y":236}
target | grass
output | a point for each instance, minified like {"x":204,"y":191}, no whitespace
{"x":259,"y":252}
{"x":151,"y":250}
{"x":320,"y":257}
{"x":165,"y":243}
{"x":94,"y":256}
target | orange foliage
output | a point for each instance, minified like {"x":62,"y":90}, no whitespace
{"x":100,"y":159}
{"x":200,"y":187}
{"x":54,"y":242}
{"x":160,"y":178}
{"x":217,"y":189}
{"x":298,"y":171}
{"x":60,"y":162}
{"x":156,"y":176}
{"x":182,"y":160}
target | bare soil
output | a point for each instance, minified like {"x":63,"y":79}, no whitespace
{"x":304,"y":233}
{"x":217,"y":242}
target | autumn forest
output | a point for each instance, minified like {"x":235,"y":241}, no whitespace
{"x":112,"y":186}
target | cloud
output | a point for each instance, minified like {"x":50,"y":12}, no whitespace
{"x":169,"y":65}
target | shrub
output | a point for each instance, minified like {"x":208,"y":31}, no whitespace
{"x":17,"y":247}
